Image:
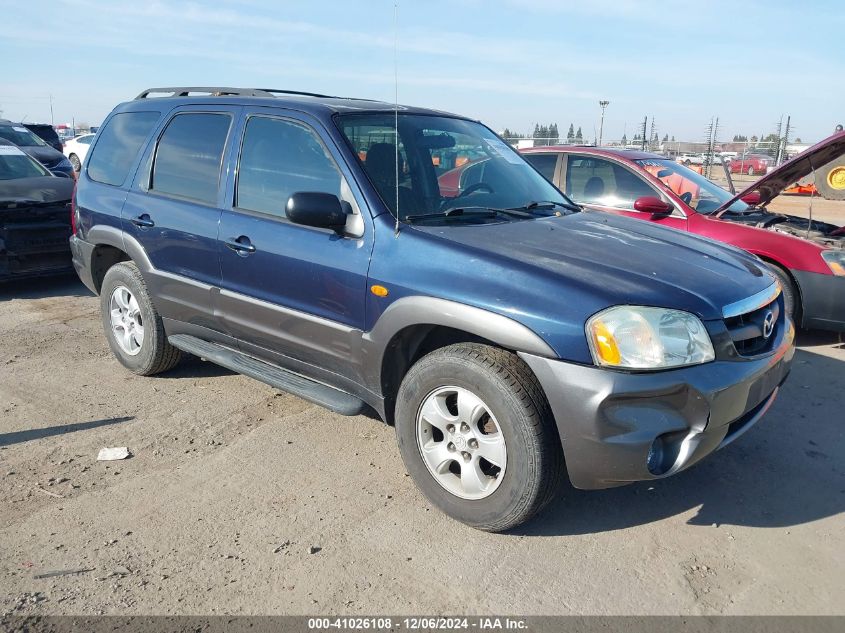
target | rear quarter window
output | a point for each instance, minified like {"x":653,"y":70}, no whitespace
{"x":118,"y":146}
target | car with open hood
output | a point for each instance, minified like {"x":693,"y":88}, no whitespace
{"x":807,"y":256}
{"x":34,"y":217}
{"x":302,"y":240}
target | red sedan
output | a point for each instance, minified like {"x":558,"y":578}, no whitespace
{"x":807,"y":256}
{"x":751,"y":164}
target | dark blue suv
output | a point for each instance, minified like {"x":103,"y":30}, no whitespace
{"x":308,"y":242}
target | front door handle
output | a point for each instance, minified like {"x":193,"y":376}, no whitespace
{"x":143,"y":221}
{"x":241,"y":245}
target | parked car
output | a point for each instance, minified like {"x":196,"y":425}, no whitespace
{"x":35,"y":146}
{"x":807,"y":256}
{"x":76,"y":149}
{"x":34,"y":217}
{"x":751,"y":164}
{"x":286,"y":237}
{"x":46,"y":133}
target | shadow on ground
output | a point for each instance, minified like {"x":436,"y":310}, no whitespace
{"x":66,"y":285}
{"x":788,"y":470}
{"x":17,"y":437}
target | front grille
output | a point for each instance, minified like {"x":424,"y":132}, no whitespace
{"x":747,"y":330}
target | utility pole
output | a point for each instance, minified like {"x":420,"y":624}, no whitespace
{"x":651,"y":135}
{"x":603,"y":104}
{"x":644,"y":130}
{"x":51,"y":109}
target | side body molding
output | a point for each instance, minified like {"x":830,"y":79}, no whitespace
{"x":420,"y":310}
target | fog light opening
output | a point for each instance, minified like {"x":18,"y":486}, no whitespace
{"x":663,"y":453}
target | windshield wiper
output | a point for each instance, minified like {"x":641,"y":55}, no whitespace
{"x":473,"y":211}
{"x":547,"y":204}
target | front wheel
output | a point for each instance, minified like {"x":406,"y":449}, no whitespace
{"x":476,"y":434}
{"x":75,"y":162}
{"x":791,"y":298}
{"x":133,"y":326}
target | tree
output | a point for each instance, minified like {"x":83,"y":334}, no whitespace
{"x":797,"y":139}
{"x":665,"y":138}
{"x":739,"y":138}
{"x":754,"y":139}
{"x":636,"y":137}
{"x":624,"y":140}
{"x":673,"y":138}
{"x":554,"y":136}
{"x":570,"y":135}
{"x":579,"y":137}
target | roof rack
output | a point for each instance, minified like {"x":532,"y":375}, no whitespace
{"x":218,"y":91}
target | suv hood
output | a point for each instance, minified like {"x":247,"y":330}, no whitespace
{"x":620,"y":260}
{"x":772,"y":184}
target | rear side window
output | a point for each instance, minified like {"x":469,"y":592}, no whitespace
{"x":280,"y":158}
{"x":118,"y":146}
{"x":188,"y":157}
{"x":544,"y":163}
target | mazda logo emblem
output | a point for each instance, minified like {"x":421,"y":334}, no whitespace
{"x":768,"y":324}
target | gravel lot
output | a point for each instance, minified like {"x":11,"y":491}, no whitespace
{"x":241,"y":499}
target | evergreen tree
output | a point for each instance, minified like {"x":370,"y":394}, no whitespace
{"x":673,"y":139}
{"x":665,"y":138}
{"x":554,"y":136}
{"x":570,"y":135}
{"x":624,"y":140}
{"x":579,"y":137}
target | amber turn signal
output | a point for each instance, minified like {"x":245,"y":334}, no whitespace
{"x":379,"y":291}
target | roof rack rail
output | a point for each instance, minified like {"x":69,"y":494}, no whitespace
{"x":219,"y":91}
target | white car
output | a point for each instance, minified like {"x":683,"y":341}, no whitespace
{"x":76,"y":149}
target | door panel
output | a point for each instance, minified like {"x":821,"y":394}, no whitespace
{"x":298,"y":291}
{"x":173,"y":212}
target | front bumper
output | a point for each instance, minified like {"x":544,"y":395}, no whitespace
{"x":608,"y":420}
{"x":822,"y":300}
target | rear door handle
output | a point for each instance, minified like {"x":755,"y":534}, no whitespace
{"x":241,"y":245}
{"x":143,"y":221}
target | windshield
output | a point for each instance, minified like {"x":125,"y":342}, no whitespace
{"x":694,"y":189}
{"x":447,"y":168}
{"x":15,"y":164}
{"x":20,"y":136}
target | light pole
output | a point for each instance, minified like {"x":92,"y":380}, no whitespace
{"x":603,"y":105}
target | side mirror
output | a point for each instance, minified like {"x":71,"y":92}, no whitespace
{"x":312,"y":208}
{"x":752,"y":198}
{"x":653,"y":205}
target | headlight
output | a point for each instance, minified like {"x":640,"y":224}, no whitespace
{"x":634,"y":337}
{"x":835,"y":260}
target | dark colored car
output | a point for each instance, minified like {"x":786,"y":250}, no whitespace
{"x":36,"y":147}
{"x":290,"y":238}
{"x":34,"y":217}
{"x":808,"y":257}
{"x":47,"y":133}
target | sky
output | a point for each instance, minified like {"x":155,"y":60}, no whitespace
{"x":510,"y":63}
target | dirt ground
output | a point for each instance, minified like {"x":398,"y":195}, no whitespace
{"x":241,"y":499}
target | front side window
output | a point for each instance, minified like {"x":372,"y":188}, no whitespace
{"x":189,"y":154}
{"x":694,"y":189}
{"x":593,"y":180}
{"x":120,"y":141}
{"x":279,"y":158}
{"x":21,"y":136}
{"x":444,"y":168}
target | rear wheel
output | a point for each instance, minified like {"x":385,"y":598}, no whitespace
{"x":830,"y":181}
{"x":74,"y":160}
{"x":476,"y":434}
{"x":133,"y":327}
{"x":750,"y":171}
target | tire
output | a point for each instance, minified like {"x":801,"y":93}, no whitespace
{"x":143,"y":348}
{"x":514,"y":414}
{"x":687,"y":163}
{"x":830,"y":181}
{"x":791,"y":297}
{"x":750,"y":171}
{"x":75,"y":162}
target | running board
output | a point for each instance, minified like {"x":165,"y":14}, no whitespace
{"x":307,"y":389}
